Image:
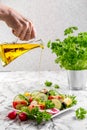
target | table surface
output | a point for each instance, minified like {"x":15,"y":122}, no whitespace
{"x":12,"y":83}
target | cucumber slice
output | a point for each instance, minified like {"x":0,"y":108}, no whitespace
{"x":41,"y":97}
{"x":34,"y":94}
{"x":17,"y":98}
{"x":20,"y":97}
{"x":57,"y":103}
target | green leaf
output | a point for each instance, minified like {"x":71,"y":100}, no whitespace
{"x":49,"y":104}
{"x":48,"y":83}
{"x":81,"y":113}
{"x":56,"y":86}
{"x":46,"y":116}
{"x":48,"y":44}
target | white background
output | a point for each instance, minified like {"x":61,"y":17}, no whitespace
{"x":50,"y":18}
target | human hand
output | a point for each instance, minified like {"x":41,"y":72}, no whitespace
{"x":21,"y":27}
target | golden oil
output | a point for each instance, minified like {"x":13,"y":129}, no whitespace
{"x":9,"y":52}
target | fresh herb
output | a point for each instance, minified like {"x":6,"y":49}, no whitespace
{"x":56,"y":86}
{"x":46,"y":116}
{"x":70,"y":30}
{"x":71,"y":52}
{"x":81,"y":113}
{"x":48,"y":83}
{"x":35,"y":113}
{"x":49,"y":104}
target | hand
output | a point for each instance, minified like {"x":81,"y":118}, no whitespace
{"x":21,"y":27}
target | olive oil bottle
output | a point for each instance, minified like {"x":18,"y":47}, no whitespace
{"x":9,"y":52}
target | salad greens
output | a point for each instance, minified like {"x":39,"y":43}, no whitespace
{"x":35,"y":113}
{"x":49,"y":104}
{"x":40,"y":105}
{"x":71,"y":52}
{"x":81,"y":113}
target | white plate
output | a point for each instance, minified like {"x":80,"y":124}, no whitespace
{"x":62,"y":111}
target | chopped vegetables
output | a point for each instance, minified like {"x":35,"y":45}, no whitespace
{"x":40,"y":105}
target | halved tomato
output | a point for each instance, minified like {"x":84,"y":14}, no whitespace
{"x":20,"y":101}
{"x":19,"y":104}
{"x":55,"y":97}
{"x":42,"y":106}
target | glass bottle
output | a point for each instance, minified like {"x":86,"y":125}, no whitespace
{"x":9,"y":52}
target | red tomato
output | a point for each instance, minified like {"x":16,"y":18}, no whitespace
{"x":18,"y":104}
{"x":51,"y":97}
{"x":42,"y":106}
{"x":15,"y":104}
{"x":30,"y":99}
{"x":55,"y":97}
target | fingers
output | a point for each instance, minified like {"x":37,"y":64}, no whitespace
{"x":33,"y":33}
{"x":21,"y":27}
{"x":25,"y":31}
{"x":30,"y":33}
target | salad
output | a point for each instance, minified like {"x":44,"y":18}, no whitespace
{"x":40,"y":105}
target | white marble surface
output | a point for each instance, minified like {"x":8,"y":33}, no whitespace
{"x":11,"y":83}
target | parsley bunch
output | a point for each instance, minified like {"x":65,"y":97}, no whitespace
{"x":71,"y":52}
{"x":81,"y":113}
{"x":35,"y":113}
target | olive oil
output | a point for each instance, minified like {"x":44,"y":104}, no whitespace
{"x":39,"y":69}
{"x":9,"y":52}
